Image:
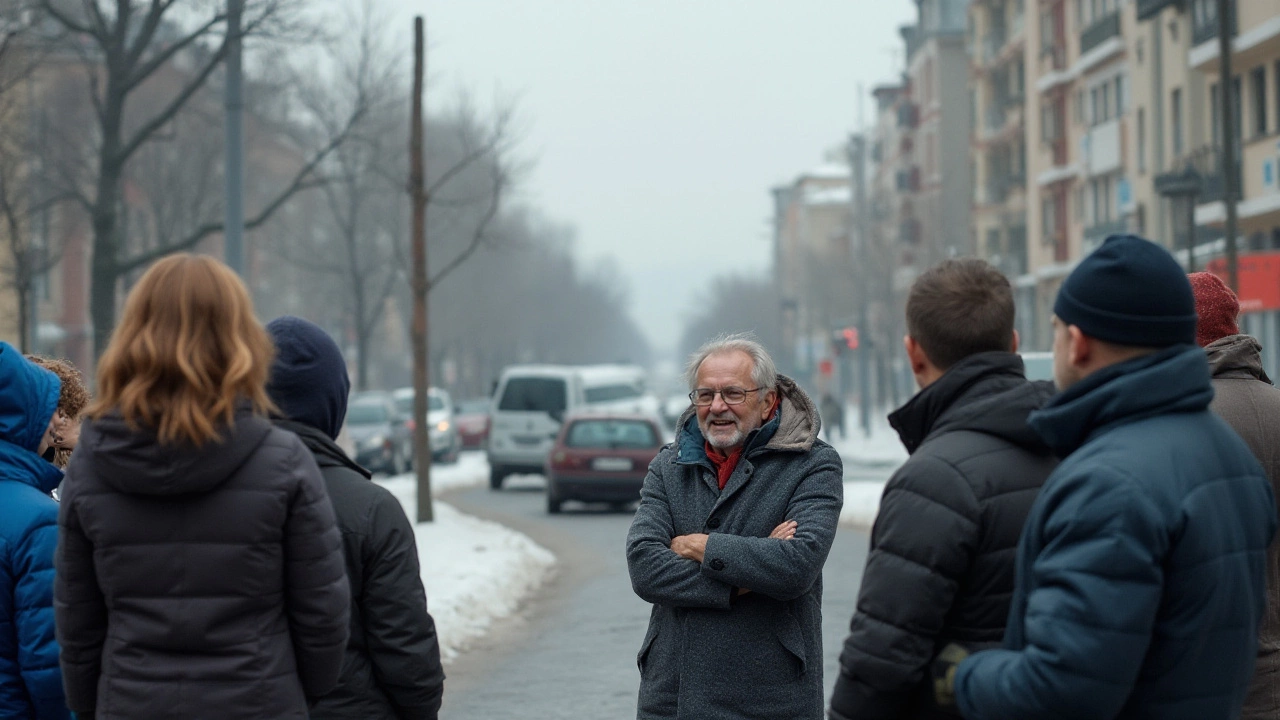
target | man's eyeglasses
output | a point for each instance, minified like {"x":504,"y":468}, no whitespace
{"x":703,"y":397}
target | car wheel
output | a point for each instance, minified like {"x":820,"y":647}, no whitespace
{"x":553,"y":502}
{"x":496,"y":476}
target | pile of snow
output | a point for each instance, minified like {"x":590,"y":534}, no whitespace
{"x":475,"y":571}
{"x":861,"y":503}
{"x":881,"y":449}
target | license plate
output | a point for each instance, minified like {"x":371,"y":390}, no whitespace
{"x":611,"y":464}
{"x":527,"y":439}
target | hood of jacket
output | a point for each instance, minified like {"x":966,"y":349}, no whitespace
{"x":1173,"y":380}
{"x":1236,"y":356}
{"x":131,"y":460}
{"x":28,"y":399}
{"x":987,"y":393}
{"x":326,"y":451}
{"x":309,"y":380}
{"x":794,"y":427}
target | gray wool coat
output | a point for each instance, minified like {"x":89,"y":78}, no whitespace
{"x":1246,"y":399}
{"x":710,"y":654}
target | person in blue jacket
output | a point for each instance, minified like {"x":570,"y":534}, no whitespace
{"x":1141,"y":573}
{"x":30,"y":679}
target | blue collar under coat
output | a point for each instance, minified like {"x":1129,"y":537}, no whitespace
{"x":692,"y":445}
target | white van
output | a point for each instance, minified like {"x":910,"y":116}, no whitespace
{"x":529,"y":405}
{"x":620,"y":389}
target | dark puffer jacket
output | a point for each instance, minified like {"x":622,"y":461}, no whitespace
{"x":942,"y":553}
{"x":392,"y":669}
{"x":1141,"y":573}
{"x":198,"y":583}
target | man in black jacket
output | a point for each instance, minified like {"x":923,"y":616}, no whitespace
{"x":392,"y":668}
{"x":941,"y":565}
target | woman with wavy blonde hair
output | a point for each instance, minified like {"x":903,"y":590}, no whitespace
{"x":199,"y":570}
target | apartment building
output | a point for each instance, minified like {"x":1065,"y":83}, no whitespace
{"x":1187,"y":149}
{"x":997,"y":53}
{"x":1079,"y":129}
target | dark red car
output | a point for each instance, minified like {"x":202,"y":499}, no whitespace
{"x":601,"y":458}
{"x":471,"y":417}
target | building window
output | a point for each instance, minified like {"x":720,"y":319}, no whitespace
{"x":1095,"y":104}
{"x":1142,"y":141}
{"x":1121,"y":94}
{"x":1258,"y":81}
{"x":1048,"y":219}
{"x":1175,"y":116}
{"x":1080,"y":106}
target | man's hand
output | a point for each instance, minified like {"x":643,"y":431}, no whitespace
{"x":690,"y":547}
{"x":785,"y":531}
{"x":944,"y":674}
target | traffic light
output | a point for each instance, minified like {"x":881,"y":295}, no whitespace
{"x":851,"y":337}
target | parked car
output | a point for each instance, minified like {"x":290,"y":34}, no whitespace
{"x":1039,"y":365}
{"x":601,"y":458}
{"x":620,"y":389}
{"x":442,"y":430}
{"x":530,"y":403}
{"x":472,"y":419}
{"x":382,"y":435}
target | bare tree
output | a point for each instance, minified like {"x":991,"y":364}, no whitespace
{"x":129,"y":45}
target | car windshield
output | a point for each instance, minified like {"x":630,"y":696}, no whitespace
{"x":610,"y":393}
{"x":404,"y":404}
{"x":365,"y":413}
{"x":612,"y":434}
{"x":534,"y":395}
{"x":435,"y":402}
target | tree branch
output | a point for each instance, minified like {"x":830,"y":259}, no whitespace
{"x":140,"y":74}
{"x":158,"y":121}
{"x":478,"y":236}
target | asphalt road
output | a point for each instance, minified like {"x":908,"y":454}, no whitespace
{"x":571,"y":652}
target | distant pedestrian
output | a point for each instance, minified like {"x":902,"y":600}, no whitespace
{"x":30,"y":680}
{"x":1246,"y":399}
{"x":200,"y":570}
{"x":72,"y":401}
{"x":392,"y":669}
{"x":941,"y":564}
{"x":832,"y":416}
{"x":734,"y":525}
{"x":1141,"y":574}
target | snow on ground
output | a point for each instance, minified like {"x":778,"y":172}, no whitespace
{"x":475,"y":571}
{"x":869,"y":460}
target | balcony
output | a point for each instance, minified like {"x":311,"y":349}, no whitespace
{"x":1200,"y":174}
{"x":995,"y":119}
{"x":1204,"y":20}
{"x":1148,"y":9}
{"x":908,"y":179}
{"x":1099,"y":32}
{"x":997,"y":191}
{"x":908,"y":115}
{"x":992,"y":44}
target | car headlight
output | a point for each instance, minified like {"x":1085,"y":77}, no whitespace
{"x":443,"y":426}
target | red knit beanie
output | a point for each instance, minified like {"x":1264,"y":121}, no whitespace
{"x":1217,"y":307}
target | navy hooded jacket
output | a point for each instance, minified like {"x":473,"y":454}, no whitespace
{"x":30,"y":681}
{"x":1141,"y":573}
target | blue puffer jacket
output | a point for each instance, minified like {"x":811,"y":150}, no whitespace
{"x":1141,"y":574}
{"x":30,"y":681}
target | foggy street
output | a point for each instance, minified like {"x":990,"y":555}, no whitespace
{"x":571,"y":653}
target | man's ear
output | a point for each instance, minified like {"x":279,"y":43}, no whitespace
{"x":1080,"y":347}
{"x":771,"y":399}
{"x":915,"y":355}
{"x":1016,"y":342}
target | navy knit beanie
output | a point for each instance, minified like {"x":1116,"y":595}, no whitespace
{"x":1129,"y":292}
{"x":309,"y":381}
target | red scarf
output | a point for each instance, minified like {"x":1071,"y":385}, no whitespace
{"x":724,"y":463}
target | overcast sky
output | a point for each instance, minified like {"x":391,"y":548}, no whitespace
{"x":657,"y":127}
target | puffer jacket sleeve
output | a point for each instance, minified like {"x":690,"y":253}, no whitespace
{"x":79,"y":606}
{"x":1096,"y":589}
{"x":658,"y":575}
{"x":399,"y":632}
{"x":785,"y":569}
{"x":33,"y":617}
{"x":923,"y":542}
{"x":317,"y":595}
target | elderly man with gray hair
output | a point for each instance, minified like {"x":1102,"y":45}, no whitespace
{"x":735,"y":522}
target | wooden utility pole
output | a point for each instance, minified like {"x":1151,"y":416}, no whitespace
{"x":1230,"y":171}
{"x":418,"y":190}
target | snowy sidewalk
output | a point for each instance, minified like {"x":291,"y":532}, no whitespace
{"x":475,"y":571}
{"x":877,"y":455}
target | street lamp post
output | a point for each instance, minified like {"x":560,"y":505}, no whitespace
{"x":233,"y":232}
